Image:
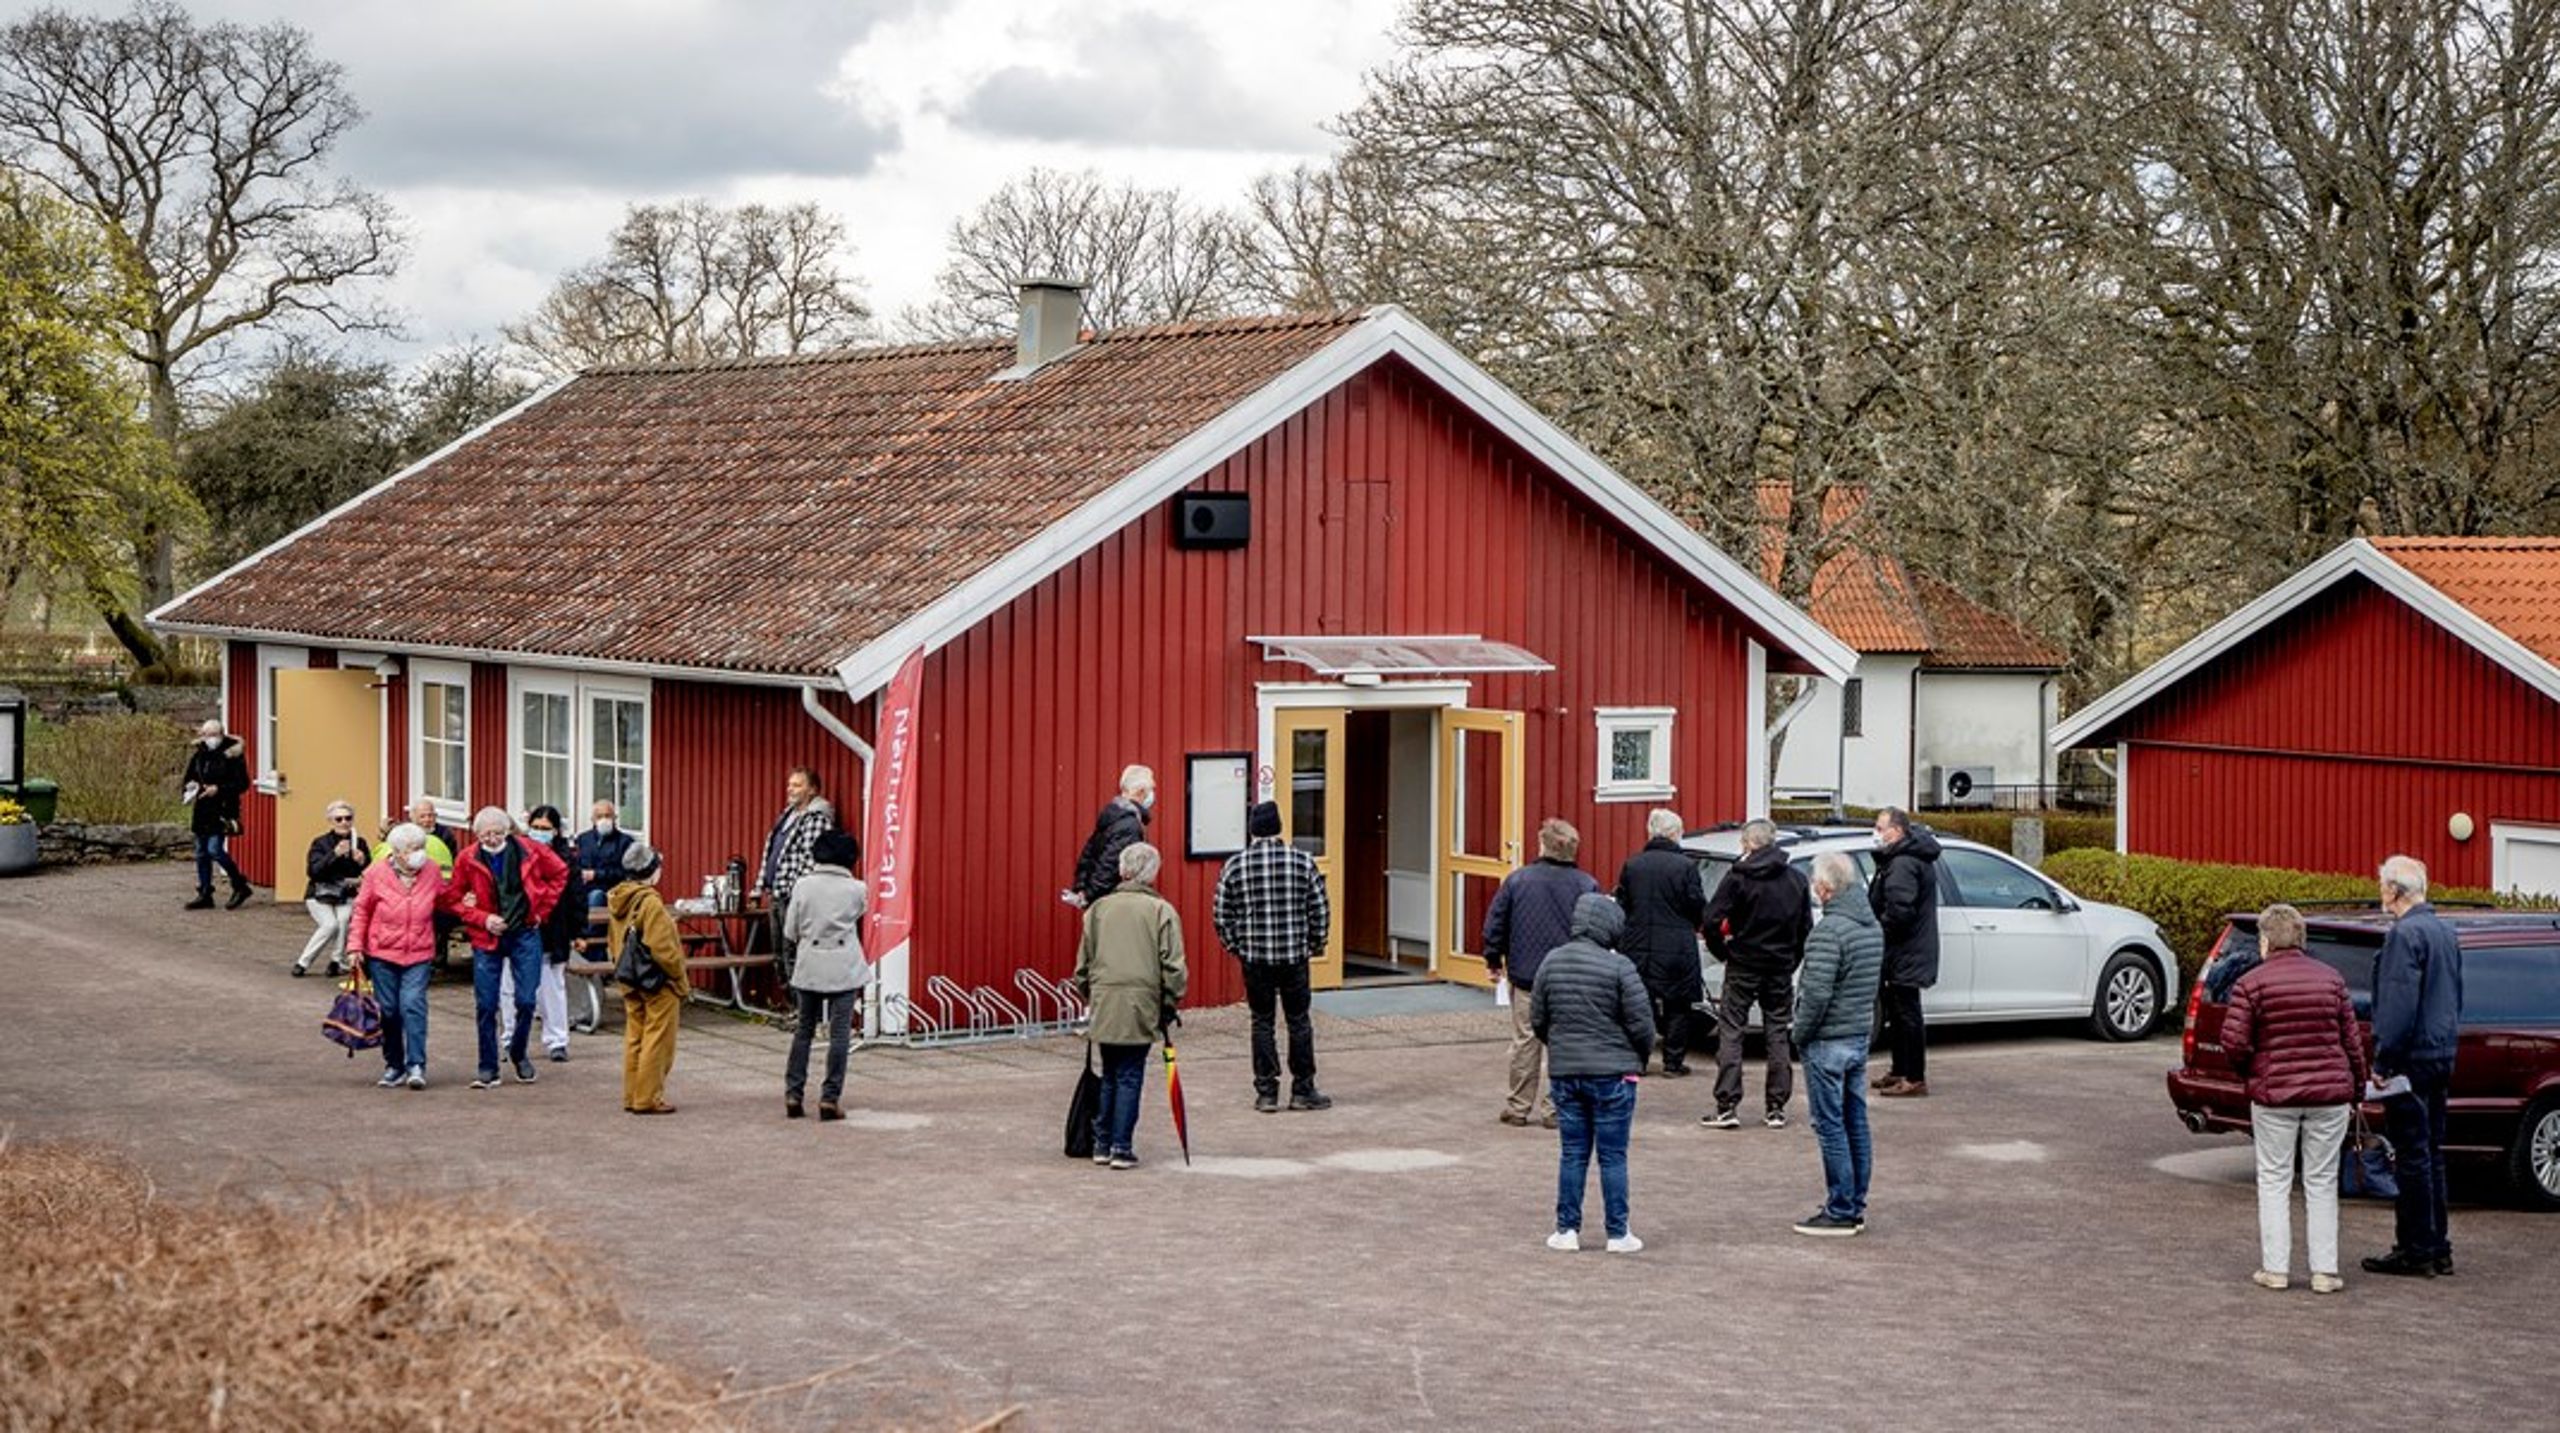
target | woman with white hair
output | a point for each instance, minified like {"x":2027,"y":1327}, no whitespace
{"x":335,"y":863}
{"x":393,"y":931}
{"x":1120,"y":824}
{"x":2291,"y":1032}
{"x":217,"y":776}
{"x":1131,"y":973}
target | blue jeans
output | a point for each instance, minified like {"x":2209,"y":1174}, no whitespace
{"x":1593,"y":1113}
{"x":521,"y":949}
{"x":212,"y":851}
{"x":1835,"y":1088}
{"x":1124,"y":1080}
{"x":401,"y":991}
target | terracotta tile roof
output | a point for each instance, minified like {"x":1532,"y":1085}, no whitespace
{"x":1877,"y":604}
{"x":2511,"y":583}
{"x":759,"y":517}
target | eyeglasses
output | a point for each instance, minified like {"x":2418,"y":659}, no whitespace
{"x":335,"y":819}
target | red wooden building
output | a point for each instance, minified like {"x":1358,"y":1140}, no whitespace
{"x":1325,"y":558}
{"x":2399,"y":695}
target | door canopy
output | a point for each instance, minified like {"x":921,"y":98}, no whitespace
{"x":1400,"y":656}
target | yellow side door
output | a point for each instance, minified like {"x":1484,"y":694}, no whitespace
{"x":328,"y":748}
{"x":1307,"y":759}
{"x":1481,"y":776}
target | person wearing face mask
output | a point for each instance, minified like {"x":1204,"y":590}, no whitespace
{"x":393,"y":931}
{"x":442,"y":840}
{"x":567,"y":922}
{"x":335,"y":863}
{"x":806,"y":815}
{"x":1120,"y":824}
{"x":503,"y":890}
{"x":601,"y":848}
{"x":217,"y":777}
{"x":648,"y":1021}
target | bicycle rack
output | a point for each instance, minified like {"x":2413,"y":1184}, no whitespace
{"x":952,"y":1013}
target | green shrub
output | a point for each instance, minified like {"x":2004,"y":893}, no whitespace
{"x":115,"y":770}
{"x":2063,"y":831}
{"x":2189,"y":898}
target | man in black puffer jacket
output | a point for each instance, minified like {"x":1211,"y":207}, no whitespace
{"x":1905,"y":896}
{"x":1531,"y":915}
{"x":1664,"y":901}
{"x":1756,"y":924}
{"x":1591,"y":1012}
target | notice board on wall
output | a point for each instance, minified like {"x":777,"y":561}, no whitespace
{"x":1217,"y":793}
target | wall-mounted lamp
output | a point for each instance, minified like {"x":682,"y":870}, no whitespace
{"x":2460,"y":827}
{"x":387,"y":668}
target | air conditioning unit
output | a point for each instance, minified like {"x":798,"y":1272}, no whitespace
{"x":1960,"y":786}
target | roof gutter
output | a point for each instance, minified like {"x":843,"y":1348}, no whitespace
{"x":485,"y":654}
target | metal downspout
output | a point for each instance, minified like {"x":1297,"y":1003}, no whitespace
{"x":853,"y":741}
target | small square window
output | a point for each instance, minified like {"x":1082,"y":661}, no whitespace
{"x":1635,"y":754}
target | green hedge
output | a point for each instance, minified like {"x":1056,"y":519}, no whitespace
{"x":2189,"y":898}
{"x":2062,"y":832}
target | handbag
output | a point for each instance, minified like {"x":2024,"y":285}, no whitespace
{"x":636,"y":970}
{"x":355,"y":1017}
{"x":2365,"y":1167}
{"x":1081,"y":1110}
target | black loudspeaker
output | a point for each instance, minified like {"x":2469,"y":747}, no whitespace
{"x":1212,"y":520}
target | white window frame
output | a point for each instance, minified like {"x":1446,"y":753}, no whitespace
{"x":423,"y":672}
{"x":1654,"y":722}
{"x":272,"y":660}
{"x":583,"y":689}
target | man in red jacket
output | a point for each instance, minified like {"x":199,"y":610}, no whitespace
{"x":503,"y":888}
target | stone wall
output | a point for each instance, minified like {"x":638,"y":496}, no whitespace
{"x":59,"y":702}
{"x":74,"y":843}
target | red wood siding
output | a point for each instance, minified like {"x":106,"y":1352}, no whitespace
{"x":489,"y":753}
{"x":1381,"y":508}
{"x":255,"y":847}
{"x":719,"y":757}
{"x":2351,"y":729}
{"x":395,"y":745}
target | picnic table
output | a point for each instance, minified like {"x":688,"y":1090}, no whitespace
{"x":722,"y":941}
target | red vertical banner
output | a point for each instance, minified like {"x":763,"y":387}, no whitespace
{"x":888,"y":827}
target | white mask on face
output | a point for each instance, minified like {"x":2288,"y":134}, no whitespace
{"x":210,"y":742}
{"x":493,"y":844}
{"x":413,"y":860}
{"x":604,"y":825}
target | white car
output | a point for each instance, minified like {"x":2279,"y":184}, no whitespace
{"x":2012,"y":945}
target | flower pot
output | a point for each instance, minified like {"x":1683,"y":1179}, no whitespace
{"x":17,"y":848}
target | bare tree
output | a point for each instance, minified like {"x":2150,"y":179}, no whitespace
{"x":204,"y":150}
{"x":1144,"y":255}
{"x":690,"y":281}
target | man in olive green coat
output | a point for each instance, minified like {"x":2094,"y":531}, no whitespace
{"x":1131,"y":973}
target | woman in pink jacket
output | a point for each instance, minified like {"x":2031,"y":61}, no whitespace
{"x":393,"y":931}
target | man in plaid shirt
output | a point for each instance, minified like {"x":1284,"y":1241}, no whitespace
{"x":1271,"y":912}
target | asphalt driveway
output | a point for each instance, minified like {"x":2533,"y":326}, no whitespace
{"x":2047,"y":1244}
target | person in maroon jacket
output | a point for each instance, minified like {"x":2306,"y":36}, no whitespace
{"x":2291,"y":1032}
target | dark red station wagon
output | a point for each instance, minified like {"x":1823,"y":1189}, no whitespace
{"x":2505,"y":1102}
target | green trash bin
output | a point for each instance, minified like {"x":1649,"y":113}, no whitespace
{"x":40,"y":797}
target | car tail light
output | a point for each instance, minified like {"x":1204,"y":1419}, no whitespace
{"x":2195,"y":999}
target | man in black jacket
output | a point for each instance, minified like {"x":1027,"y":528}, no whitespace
{"x":1664,"y":901}
{"x":1120,"y":824}
{"x":1589,"y":1011}
{"x":1530,"y":915}
{"x":1756,"y":924}
{"x":217,"y":777}
{"x":1905,"y":896}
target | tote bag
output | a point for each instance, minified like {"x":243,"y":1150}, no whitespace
{"x":355,"y":1017}
{"x":1083,"y":1107}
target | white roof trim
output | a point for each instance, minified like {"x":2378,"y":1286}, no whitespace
{"x":2357,"y":558}
{"x":1387,"y":330}
{"x":154,"y":616}
{"x":542,"y":660}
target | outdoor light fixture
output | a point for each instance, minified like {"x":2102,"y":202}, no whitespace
{"x":1362,"y":679}
{"x":387,"y":668}
{"x":2460,"y":826}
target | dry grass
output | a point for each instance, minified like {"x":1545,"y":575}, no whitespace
{"x":121,"y":1309}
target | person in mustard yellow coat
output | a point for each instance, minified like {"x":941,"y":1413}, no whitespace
{"x":648,"y":1021}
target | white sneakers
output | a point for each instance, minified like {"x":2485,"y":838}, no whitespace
{"x":2320,"y":1283}
{"x":2326,"y":1283}
{"x":1569,"y":1241}
{"x":2267,"y":1279}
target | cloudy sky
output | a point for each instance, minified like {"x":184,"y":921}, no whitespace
{"x":511,"y":133}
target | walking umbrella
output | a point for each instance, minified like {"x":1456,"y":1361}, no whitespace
{"x":1173,"y":1097}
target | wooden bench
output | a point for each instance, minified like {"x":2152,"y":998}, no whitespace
{"x":702,"y":952}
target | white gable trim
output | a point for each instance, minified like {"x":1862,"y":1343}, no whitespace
{"x":156,"y":615}
{"x":1386,"y":331}
{"x":2357,"y":558}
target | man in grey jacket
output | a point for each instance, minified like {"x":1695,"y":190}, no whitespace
{"x":1835,"y":1015}
{"x":1590,"y":1011}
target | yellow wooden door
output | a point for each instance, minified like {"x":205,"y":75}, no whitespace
{"x":1481,"y":765}
{"x":328,"y":748}
{"x":1307,"y":761}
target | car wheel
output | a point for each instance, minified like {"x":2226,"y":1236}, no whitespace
{"x":2533,"y":1165}
{"x":2129,"y":998}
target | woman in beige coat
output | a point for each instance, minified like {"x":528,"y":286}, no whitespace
{"x":1131,"y":973}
